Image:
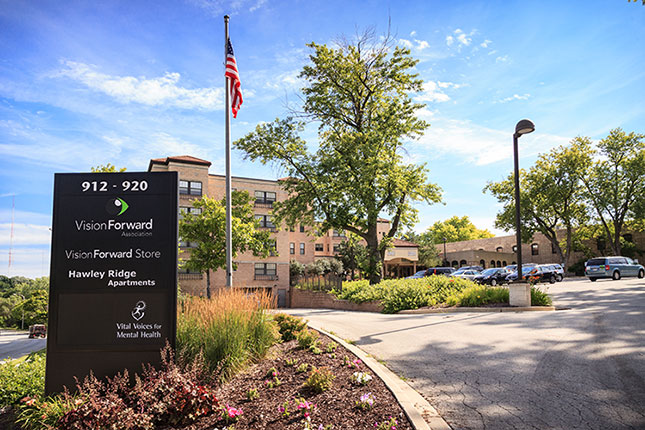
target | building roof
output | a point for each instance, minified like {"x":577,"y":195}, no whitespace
{"x":404,"y":244}
{"x":179,"y":159}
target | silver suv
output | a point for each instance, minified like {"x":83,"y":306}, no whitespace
{"x":613,"y":267}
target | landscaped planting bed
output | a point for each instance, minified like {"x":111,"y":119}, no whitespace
{"x":273,"y":373}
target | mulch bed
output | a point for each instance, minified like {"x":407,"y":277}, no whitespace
{"x":334,"y":408}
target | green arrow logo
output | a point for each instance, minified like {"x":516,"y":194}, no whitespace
{"x":122,"y":203}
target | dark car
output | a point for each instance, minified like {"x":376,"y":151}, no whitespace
{"x":446,"y":271}
{"x":612,"y":267}
{"x":419,"y":274}
{"x":477,"y":268}
{"x":542,"y":274}
{"x":492,"y":276}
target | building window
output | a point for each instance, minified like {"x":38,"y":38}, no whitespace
{"x":265,"y":221}
{"x":292,"y":248}
{"x":273,"y":248}
{"x":463,"y":263}
{"x":339,"y":233}
{"x":535,"y":249}
{"x":266,"y":271}
{"x":186,"y":244}
{"x":504,"y":264}
{"x":190,"y":188}
{"x":302,"y":248}
{"x":188,"y":210}
{"x":264,"y":198}
{"x":499,"y":249}
{"x":319,"y":247}
{"x":336,"y":248}
{"x":492,"y":263}
{"x":302,"y":228}
{"x":482,"y":263}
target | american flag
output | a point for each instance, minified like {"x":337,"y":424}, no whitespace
{"x":231,"y":73}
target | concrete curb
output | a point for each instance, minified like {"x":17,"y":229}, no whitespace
{"x":470,"y":310}
{"x":420,"y":413}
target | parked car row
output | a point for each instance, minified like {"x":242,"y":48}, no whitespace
{"x":498,"y":275}
{"x":595,"y":268}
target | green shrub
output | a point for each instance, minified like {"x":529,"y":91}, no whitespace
{"x":307,"y":338}
{"x":478,"y":295}
{"x":230,"y":330}
{"x":23,"y":379}
{"x":289,"y":325}
{"x":401,"y":294}
{"x":540,"y":298}
{"x":320,"y":379}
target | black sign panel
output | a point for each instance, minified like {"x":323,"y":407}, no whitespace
{"x":113,"y":282}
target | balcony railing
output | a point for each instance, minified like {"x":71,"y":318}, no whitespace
{"x":265,"y":277}
{"x":263,"y":204}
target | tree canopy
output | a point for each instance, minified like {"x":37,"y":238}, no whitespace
{"x":359,"y":96}
{"x":108,"y":168}
{"x":455,"y":229}
{"x":207,"y":229}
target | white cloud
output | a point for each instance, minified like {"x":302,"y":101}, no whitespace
{"x":514,"y":97}
{"x":406,"y":43}
{"x":482,"y":145}
{"x":217,"y":8}
{"x":421,"y":44}
{"x":502,"y":59}
{"x":413,"y":33}
{"x":30,"y":262}
{"x":24,"y":234}
{"x":450,"y":40}
{"x":433,"y":91}
{"x":160,"y":91}
{"x":485,"y":43}
{"x":460,"y":39}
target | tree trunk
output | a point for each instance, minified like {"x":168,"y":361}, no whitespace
{"x":208,"y":283}
{"x":375,"y":259}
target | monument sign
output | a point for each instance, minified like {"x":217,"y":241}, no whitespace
{"x":113,"y":283}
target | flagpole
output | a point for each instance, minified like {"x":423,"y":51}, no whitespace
{"x":227,"y":109}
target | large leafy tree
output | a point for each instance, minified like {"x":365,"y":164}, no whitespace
{"x":108,"y":168}
{"x":353,"y":254}
{"x":552,"y":197}
{"x":208,"y":230}
{"x":455,"y":229}
{"x":359,"y":96}
{"x":614,"y":185}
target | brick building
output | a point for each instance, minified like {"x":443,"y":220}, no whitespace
{"x":500,"y":251}
{"x":298,"y":244}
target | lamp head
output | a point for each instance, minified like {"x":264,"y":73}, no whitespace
{"x":525,"y":126}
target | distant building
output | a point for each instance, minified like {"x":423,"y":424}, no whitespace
{"x":501,"y":251}
{"x":299,"y":244}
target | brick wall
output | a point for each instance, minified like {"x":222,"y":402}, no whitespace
{"x":320,"y":300}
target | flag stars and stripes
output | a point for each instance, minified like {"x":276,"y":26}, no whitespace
{"x":232,"y":74}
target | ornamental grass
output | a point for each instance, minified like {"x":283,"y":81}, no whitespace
{"x":230,"y":330}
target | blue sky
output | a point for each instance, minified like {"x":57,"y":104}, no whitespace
{"x":86,"y":83}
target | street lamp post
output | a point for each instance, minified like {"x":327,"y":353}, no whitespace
{"x":525,"y":126}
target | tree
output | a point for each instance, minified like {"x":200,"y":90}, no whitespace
{"x":108,"y":168}
{"x":359,"y":96}
{"x":428,"y":253}
{"x":615,"y":183}
{"x":455,"y":229}
{"x":353,"y":254}
{"x":208,"y":230}
{"x":552,"y":197}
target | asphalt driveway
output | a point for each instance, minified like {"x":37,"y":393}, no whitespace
{"x":14,"y":344}
{"x":582,"y":368}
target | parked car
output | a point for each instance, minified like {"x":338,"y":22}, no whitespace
{"x":468,"y":274}
{"x":446,"y":271}
{"x":419,"y":274}
{"x":478,"y":268}
{"x":544,"y":273}
{"x":492,"y":276}
{"x":37,"y":330}
{"x":612,"y":267}
{"x":513,"y":267}
{"x":512,"y":277}
{"x":558,"y":269}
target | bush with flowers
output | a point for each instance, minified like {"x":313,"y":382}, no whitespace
{"x":366,"y":401}
{"x":361,"y":378}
